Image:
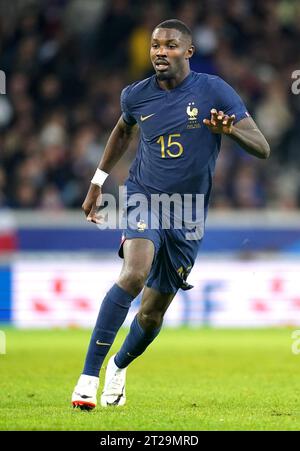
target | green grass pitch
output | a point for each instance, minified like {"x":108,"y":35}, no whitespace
{"x":188,"y":379}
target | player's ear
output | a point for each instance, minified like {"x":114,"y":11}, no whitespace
{"x":190,"y":52}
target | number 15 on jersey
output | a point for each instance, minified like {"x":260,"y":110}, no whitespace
{"x":177,"y":149}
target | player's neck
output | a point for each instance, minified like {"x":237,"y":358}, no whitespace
{"x":173,"y":82}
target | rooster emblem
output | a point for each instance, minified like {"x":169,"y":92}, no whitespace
{"x":192,"y":111}
{"x":141,"y":225}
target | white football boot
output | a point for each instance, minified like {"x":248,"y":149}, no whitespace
{"x":114,"y":387}
{"x":84,"y":395}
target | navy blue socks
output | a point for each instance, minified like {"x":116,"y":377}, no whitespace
{"x":112,"y":314}
{"x":135,"y":343}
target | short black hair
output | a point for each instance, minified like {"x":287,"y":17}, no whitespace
{"x":178,"y":25}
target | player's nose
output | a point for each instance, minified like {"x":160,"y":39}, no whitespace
{"x":161,"y":51}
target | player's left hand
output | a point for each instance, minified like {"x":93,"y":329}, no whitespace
{"x":219,"y":122}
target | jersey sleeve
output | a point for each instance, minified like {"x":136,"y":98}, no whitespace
{"x":127,"y":117}
{"x":229,"y":101}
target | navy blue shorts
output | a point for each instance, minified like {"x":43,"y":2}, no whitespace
{"x":174,"y":253}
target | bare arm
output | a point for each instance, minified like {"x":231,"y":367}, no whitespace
{"x":117,"y":145}
{"x":115,"y":148}
{"x":245,"y":133}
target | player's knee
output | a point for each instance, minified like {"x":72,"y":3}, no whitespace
{"x":133,"y":281}
{"x":150,"y":320}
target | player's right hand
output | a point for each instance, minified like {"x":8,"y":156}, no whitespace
{"x":92,"y":203}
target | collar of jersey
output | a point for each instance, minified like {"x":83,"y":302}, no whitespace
{"x":181,"y":87}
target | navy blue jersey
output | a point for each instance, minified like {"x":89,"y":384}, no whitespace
{"x":177,"y":152}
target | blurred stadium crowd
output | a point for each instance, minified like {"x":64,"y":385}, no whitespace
{"x":66,"y":63}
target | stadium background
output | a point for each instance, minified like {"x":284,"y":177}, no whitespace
{"x":65,"y":64}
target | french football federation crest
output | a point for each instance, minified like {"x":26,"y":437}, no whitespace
{"x":192,"y":111}
{"x":141,"y":225}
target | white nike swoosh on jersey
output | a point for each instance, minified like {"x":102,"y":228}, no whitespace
{"x":143,"y":118}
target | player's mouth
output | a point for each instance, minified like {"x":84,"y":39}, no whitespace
{"x":161,"y":64}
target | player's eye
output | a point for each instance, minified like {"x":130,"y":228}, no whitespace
{"x":172,"y":46}
{"x":154,"y":46}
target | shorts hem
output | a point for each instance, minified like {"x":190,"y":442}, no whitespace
{"x":155,"y":287}
{"x":120,"y":251}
